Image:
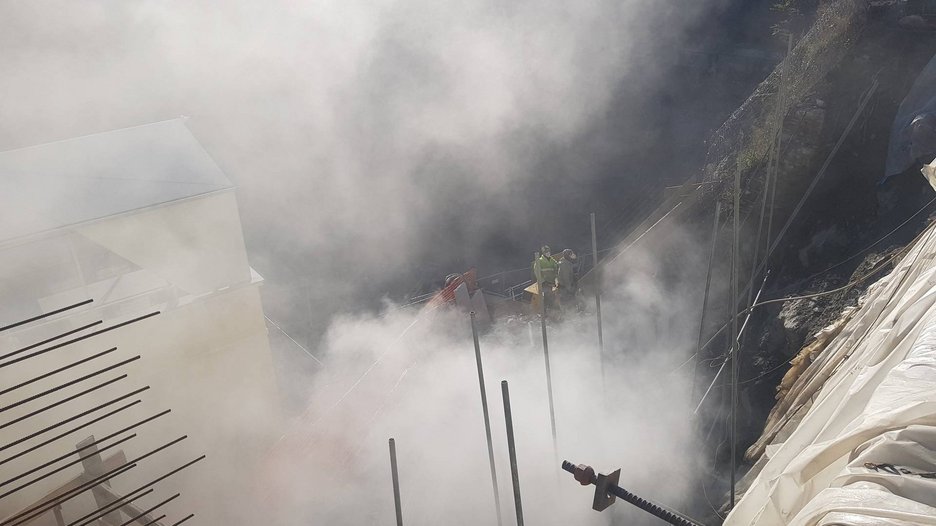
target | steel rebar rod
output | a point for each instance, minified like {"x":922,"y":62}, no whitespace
{"x":71,"y":419}
{"x":98,"y":441}
{"x":184,"y":520}
{"x":41,"y":508}
{"x":58,"y":337}
{"x":549,"y":391}
{"x":161,"y":478}
{"x":64,"y":467}
{"x":29,"y":514}
{"x":395,"y":477}
{"x":705,"y":295}
{"x":62,"y":401}
{"x":512,"y":451}
{"x":54,"y":460}
{"x":157,"y":519}
{"x":150,"y":510}
{"x":486,"y":414}
{"x":601,"y":357}
{"x":67,"y":384}
{"x":46,"y":315}
{"x":111,"y":506}
{"x":73,"y":340}
{"x":656,"y":510}
{"x":56,"y":371}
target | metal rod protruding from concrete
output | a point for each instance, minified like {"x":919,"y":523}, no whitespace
{"x":487,"y":419}
{"x":512,"y":450}
{"x":594,"y":240}
{"x":396,"y":483}
{"x":549,"y":391}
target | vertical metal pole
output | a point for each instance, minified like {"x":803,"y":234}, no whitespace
{"x":512,"y":450}
{"x":549,"y":392}
{"x":396,"y":483}
{"x":781,"y":104}
{"x":598,"y":299}
{"x":735,"y":348}
{"x":705,"y":295}
{"x":487,"y":421}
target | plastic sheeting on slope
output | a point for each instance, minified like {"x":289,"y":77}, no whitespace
{"x":876,"y":405}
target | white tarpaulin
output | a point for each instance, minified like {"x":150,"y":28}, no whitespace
{"x":865,"y":452}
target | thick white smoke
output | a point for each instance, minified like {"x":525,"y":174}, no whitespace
{"x":411,"y":375}
{"x":365,"y":137}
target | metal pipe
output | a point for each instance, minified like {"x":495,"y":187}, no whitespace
{"x":396,"y":483}
{"x":512,"y":450}
{"x":549,"y":392}
{"x":68,"y":384}
{"x":46,"y":315}
{"x":705,"y":295}
{"x":70,"y":419}
{"x":73,"y":340}
{"x":56,"y":371}
{"x":62,"y":401}
{"x":594,"y":239}
{"x":487,"y":420}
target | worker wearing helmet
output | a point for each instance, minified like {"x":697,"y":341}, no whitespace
{"x":565,"y":276}
{"x":545,"y":268}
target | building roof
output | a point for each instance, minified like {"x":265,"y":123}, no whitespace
{"x":77,"y":180}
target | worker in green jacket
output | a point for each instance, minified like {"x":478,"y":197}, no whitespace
{"x":545,"y":268}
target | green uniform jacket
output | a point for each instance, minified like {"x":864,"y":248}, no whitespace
{"x":545,"y":269}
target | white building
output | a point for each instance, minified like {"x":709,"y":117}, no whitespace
{"x":138,"y":220}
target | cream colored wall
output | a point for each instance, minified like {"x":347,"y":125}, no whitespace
{"x":206,"y":357}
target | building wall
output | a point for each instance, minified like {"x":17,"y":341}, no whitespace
{"x":205,"y":356}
